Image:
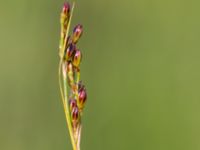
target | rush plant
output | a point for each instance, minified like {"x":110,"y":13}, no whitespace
{"x":73,"y":92}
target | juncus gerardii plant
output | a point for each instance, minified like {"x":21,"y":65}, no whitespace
{"x":73,"y":92}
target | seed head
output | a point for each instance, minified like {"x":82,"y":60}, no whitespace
{"x":66,"y":8}
{"x":72,"y":104}
{"x":82,"y":96}
{"x":77,"y":32}
{"x":77,"y":58}
{"x":70,"y":59}
{"x":65,"y":15}
{"x":69,"y":52}
{"x":75,"y":115}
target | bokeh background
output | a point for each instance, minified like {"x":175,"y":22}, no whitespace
{"x":141,"y":67}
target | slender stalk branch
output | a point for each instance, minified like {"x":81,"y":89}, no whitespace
{"x":79,"y":138}
{"x":66,"y":107}
{"x":68,"y":115}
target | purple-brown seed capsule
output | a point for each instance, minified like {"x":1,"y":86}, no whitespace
{"x":72,"y":104}
{"x":69,"y":52}
{"x":77,"y":58}
{"x":65,"y":15}
{"x":77,"y":32}
{"x":75,"y":115}
{"x":82,"y":96}
{"x":66,"y":8}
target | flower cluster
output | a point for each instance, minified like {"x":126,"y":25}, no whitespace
{"x":74,"y":91}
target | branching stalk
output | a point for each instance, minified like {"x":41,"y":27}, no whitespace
{"x":69,"y":68}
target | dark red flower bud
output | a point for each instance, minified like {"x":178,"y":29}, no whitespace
{"x":70,"y":51}
{"x":72,"y":104}
{"x":77,"y":32}
{"x":77,"y":58}
{"x":64,"y":18}
{"x":75,"y":115}
{"x":66,"y":8}
{"x":82,"y":96}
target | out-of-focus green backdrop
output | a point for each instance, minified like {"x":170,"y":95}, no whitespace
{"x":141,"y":67}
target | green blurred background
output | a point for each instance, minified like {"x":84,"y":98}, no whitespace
{"x":140,"y":66}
